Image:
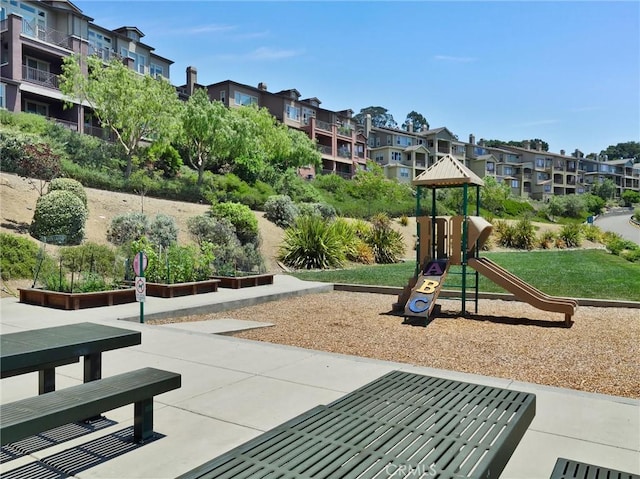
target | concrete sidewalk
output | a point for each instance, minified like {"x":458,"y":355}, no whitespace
{"x":234,"y":389}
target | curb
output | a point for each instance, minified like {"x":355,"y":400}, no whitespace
{"x":393,"y":290}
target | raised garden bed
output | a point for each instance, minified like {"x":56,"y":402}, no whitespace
{"x":237,"y":282}
{"x":70,"y":301}
{"x":160,"y":290}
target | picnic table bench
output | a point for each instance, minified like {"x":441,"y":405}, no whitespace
{"x":402,"y":423}
{"x":570,"y":469}
{"x":45,"y":349}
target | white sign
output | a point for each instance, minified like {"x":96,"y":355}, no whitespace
{"x":141,"y":289}
{"x":136,"y":263}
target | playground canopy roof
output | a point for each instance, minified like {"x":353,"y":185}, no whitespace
{"x":447,"y":172}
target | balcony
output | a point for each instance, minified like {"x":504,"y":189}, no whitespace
{"x":45,"y":34}
{"x":345,"y":175}
{"x":345,"y":131}
{"x":40,"y":77}
{"x":324,"y":149}
{"x":444,"y":148}
{"x":103,"y":53}
{"x":344,"y":153}
{"x":323,"y":125}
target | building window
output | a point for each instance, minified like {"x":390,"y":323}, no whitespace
{"x":99,"y":45}
{"x":515,"y":184}
{"x":539,"y":162}
{"x":293,"y":113}
{"x":139,"y":61}
{"x":156,"y":70}
{"x":403,"y":141}
{"x":491,"y":167}
{"x":223,"y":96}
{"x":243,"y":99}
{"x":3,"y":95}
{"x":36,"y":107}
{"x":508,"y":170}
{"x":404,"y":172}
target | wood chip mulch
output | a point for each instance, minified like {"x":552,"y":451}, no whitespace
{"x":599,"y":353}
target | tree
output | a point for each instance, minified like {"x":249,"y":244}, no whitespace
{"x":302,"y":152}
{"x":417,"y":119}
{"x":258,"y":139}
{"x":517,"y":144}
{"x":132,"y":106}
{"x":207,"y":131}
{"x":38,"y":165}
{"x":493,"y":195}
{"x":605,"y":190}
{"x":630,"y":149}
{"x":380,"y":117}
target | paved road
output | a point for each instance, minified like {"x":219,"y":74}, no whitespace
{"x":619,"y":223}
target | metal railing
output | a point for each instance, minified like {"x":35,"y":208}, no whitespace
{"x":40,"y":77}
{"x":325,"y":149}
{"x":46,"y":34}
{"x":323,"y":125}
{"x":345,"y":175}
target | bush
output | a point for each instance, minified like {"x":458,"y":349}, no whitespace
{"x":630,"y":197}
{"x":593,"y":204}
{"x":592,"y":233}
{"x":632,"y":255}
{"x":386,"y":243}
{"x":524,"y":234}
{"x":547,"y":240}
{"x":323,"y":210}
{"x":571,"y":235}
{"x":91,"y":258}
{"x":69,"y":184}
{"x":312,"y":243}
{"x":59,"y":213}
{"x":280,"y":210}
{"x":163,"y":230}
{"x":241,"y":217}
{"x":214,"y":230}
{"x":636,"y":215}
{"x":18,"y":257}
{"x":404,"y":220}
{"x":127,"y":227}
{"x":515,"y":208}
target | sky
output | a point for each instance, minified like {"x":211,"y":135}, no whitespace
{"x":567,"y":72}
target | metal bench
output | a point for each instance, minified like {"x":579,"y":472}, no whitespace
{"x":402,"y":423}
{"x":26,"y":417}
{"x":45,"y":349}
{"x":568,"y":469}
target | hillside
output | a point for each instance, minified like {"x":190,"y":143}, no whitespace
{"x":18,"y":199}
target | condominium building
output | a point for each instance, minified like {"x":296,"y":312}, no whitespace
{"x":532,"y":172}
{"x":341,"y":145}
{"x":35,"y":38}
{"x":404,"y":154}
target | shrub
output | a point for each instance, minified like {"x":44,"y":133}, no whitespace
{"x":324,"y":210}
{"x":163,"y":230}
{"x":592,"y":233}
{"x":636,"y":215}
{"x":214,"y":230}
{"x":571,"y":235}
{"x":505,"y":233}
{"x":630,"y":197}
{"x":347,"y":233}
{"x":616,"y":243}
{"x":386,"y":243}
{"x":127,"y":227}
{"x":515,"y":208}
{"x":312,"y":243}
{"x":593,"y":204}
{"x":547,"y":240}
{"x":404,"y":220}
{"x":69,"y":184}
{"x":250,"y":259}
{"x":59,"y":213}
{"x":280,"y":210}
{"x":91,"y":258}
{"x":18,"y":256}
{"x":241,"y":217}
{"x":524,"y":234}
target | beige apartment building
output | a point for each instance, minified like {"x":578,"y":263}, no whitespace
{"x":35,"y":36}
{"x":342,"y":146}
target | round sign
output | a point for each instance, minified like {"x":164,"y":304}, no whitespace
{"x":141,"y":287}
{"x":136,"y":263}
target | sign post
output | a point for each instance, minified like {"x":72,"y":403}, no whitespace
{"x":140,"y":262}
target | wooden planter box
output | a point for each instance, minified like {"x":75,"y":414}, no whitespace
{"x":160,"y":290}
{"x":69,"y":301}
{"x":236,"y":282}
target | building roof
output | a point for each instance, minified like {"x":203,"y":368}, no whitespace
{"x":416,"y":147}
{"x":445,"y":172}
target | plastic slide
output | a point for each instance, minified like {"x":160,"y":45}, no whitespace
{"x":522,"y":290}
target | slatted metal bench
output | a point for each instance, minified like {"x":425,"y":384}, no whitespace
{"x":43,"y":350}
{"x":27,"y":417}
{"x":569,"y":469}
{"x":402,"y":423}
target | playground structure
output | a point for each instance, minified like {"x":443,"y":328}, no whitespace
{"x":456,"y":240}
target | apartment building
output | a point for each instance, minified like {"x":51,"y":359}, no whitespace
{"x":35,"y":37}
{"x":532,"y":172}
{"x":404,"y":154}
{"x":342,"y":147}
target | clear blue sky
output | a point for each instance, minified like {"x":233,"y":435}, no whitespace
{"x":566,"y":71}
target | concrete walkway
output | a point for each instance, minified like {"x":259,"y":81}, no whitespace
{"x":234,"y":389}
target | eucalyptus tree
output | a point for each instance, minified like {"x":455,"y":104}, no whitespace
{"x":133,"y":107}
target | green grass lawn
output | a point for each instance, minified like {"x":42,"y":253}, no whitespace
{"x":578,"y":274}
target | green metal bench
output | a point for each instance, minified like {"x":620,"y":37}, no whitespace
{"x":569,"y":469}
{"x":27,"y":417}
{"x":401,"y":424}
{"x":42,"y":350}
